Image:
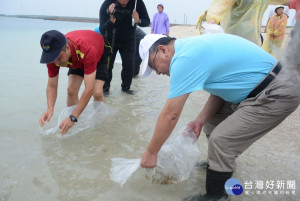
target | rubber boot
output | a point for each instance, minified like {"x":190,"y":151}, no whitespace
{"x":215,"y":190}
{"x":215,"y":181}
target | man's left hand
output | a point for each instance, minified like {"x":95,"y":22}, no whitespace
{"x":196,"y":126}
{"x":65,"y":125}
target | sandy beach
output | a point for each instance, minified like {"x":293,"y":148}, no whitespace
{"x":181,"y":31}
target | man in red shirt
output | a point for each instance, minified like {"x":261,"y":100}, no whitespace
{"x":83,"y":53}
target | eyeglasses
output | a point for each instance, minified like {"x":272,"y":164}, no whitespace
{"x":152,"y":66}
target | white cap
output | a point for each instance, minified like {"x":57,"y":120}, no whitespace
{"x":145,"y":45}
{"x":278,"y":6}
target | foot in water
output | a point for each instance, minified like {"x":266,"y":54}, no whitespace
{"x":106,"y":91}
{"x":128,"y":90}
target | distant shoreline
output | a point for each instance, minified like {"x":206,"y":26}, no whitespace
{"x":78,"y":19}
{"x":69,"y":19}
{"x":57,"y":18}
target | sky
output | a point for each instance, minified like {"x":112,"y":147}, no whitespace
{"x":179,"y":11}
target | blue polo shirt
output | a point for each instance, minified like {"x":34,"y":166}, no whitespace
{"x":224,"y":65}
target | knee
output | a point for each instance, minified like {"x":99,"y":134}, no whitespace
{"x":219,"y":142}
{"x":98,"y":96}
{"x":72,"y":92}
{"x":215,"y":140}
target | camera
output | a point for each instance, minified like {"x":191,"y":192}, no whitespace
{"x":118,"y":12}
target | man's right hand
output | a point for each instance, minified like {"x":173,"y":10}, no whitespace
{"x":149,"y":160}
{"x":111,"y":9}
{"x":46,"y":116}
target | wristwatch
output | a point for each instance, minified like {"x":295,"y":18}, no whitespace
{"x":73,"y":118}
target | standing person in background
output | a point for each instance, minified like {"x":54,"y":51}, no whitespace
{"x":286,"y":11}
{"x":84,"y":53}
{"x":201,"y":19}
{"x":276,"y":28}
{"x":241,"y":17}
{"x":117,"y":28}
{"x":160,"y":23}
{"x":139,"y":35}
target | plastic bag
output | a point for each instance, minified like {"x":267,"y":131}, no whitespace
{"x":175,"y":162}
{"x":207,"y":28}
{"x":123,"y":168}
{"x":91,"y":117}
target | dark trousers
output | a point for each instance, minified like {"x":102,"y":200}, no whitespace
{"x":139,"y":35}
{"x":127,"y":52}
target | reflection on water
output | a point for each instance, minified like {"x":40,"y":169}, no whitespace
{"x":37,"y":167}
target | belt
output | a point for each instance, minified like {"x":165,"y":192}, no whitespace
{"x":266,"y":81}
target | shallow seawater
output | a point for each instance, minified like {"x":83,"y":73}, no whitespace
{"x":38,"y":167}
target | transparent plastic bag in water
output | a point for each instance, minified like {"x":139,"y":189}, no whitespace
{"x":176,"y":158}
{"x":175,"y":162}
{"x":123,"y":168}
{"x":91,"y":117}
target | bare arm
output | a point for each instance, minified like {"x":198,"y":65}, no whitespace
{"x":212,"y":105}
{"x":164,"y":127}
{"x":51,"y":93}
{"x":218,"y":9}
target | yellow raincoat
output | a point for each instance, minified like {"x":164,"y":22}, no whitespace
{"x":201,"y":19}
{"x":277,"y":27}
{"x":241,"y":17}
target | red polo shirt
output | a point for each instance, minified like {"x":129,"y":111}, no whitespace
{"x":86,"y":47}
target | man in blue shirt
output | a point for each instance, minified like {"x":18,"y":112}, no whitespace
{"x":250,"y":94}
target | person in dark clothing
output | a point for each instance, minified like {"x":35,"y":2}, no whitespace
{"x":118,"y":21}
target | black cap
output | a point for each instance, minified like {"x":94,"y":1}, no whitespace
{"x":52,"y":43}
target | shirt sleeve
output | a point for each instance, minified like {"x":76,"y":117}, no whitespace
{"x":185,"y":77}
{"x":90,"y":62}
{"x":105,"y":23}
{"x":143,"y":14}
{"x":153,"y":22}
{"x":53,"y":70}
{"x":282,"y":27}
{"x":199,"y":20}
{"x":167,"y":23}
{"x":219,"y":8}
